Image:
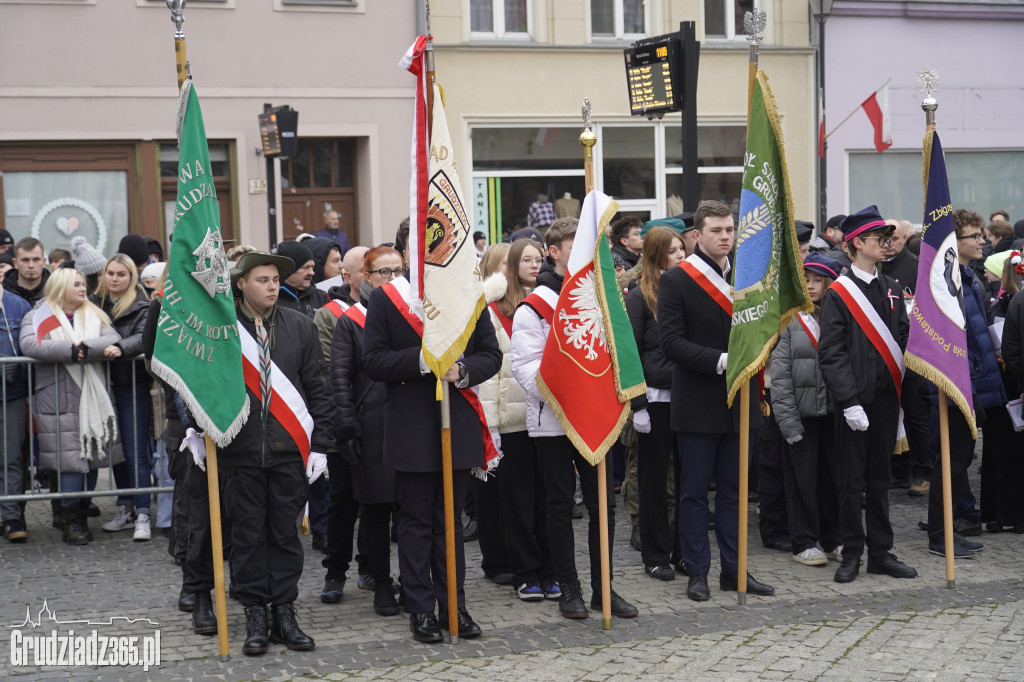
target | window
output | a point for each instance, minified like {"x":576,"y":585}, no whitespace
{"x":979,"y":180}
{"x":720,"y":151}
{"x":499,"y":18}
{"x":724,"y":18}
{"x":628,"y":154}
{"x":319,"y":164}
{"x":618,"y":18}
{"x":219,"y":170}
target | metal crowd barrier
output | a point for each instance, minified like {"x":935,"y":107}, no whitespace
{"x":32,"y":487}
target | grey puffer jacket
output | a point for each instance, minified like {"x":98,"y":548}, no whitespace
{"x":798,"y":388}
{"x":57,"y":399}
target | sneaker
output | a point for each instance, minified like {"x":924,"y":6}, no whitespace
{"x":551,"y":589}
{"x":366,"y":582}
{"x":660,"y":572}
{"x":142,"y":530}
{"x":123,"y":520}
{"x":332,"y":592}
{"x":835,"y":554}
{"x":14,"y":530}
{"x":529,"y":591}
{"x":938,"y":548}
{"x":920,"y":487}
{"x":811,"y":557}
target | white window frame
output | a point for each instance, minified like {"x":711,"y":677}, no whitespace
{"x":730,"y":22}
{"x":498,"y":10}
{"x":619,"y":22}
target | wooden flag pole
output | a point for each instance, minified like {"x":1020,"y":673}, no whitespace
{"x":447,"y":474}
{"x":947,"y":493}
{"x":177,"y":8}
{"x":754,"y":23}
{"x":213,"y":485}
{"x":588,"y":139}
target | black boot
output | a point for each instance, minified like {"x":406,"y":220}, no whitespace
{"x":76,"y":532}
{"x":384,"y":602}
{"x":286,"y":630}
{"x":255,"y":631}
{"x":204,"y":620}
{"x":186,"y":601}
{"x":58,"y":514}
{"x":570,"y":605}
{"x":84,"y":514}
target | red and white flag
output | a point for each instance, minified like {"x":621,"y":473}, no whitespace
{"x":877,"y":108}
{"x":821,"y":125}
{"x":414,"y":61}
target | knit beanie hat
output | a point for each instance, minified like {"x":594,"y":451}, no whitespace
{"x":135,"y":247}
{"x":299,"y":253}
{"x":88,"y":260}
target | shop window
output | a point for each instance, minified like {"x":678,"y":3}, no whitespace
{"x":499,"y":18}
{"x":724,"y":18}
{"x":628,"y":161}
{"x":617,"y":18}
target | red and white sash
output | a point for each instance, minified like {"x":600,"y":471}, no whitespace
{"x":357,"y":313}
{"x":878,"y":334}
{"x":543,"y":300}
{"x":286,"y":402}
{"x":710,"y":281}
{"x":44,"y":321}
{"x":398,"y":291}
{"x":810,"y":326}
{"x":506,"y":322}
{"x":337,"y":307}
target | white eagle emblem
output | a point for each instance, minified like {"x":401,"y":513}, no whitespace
{"x":584,"y":329}
{"x":211,"y":265}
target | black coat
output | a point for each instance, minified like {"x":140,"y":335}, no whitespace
{"x":359,"y":414}
{"x":306,"y":301}
{"x":853,"y":369}
{"x":1013,"y":348}
{"x":694,"y":334}
{"x":296,"y":351}
{"x":657,"y":369}
{"x":902,"y":268}
{"x":129,"y":326}
{"x":412,"y":415}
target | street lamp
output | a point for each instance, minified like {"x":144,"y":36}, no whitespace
{"x":821,"y":10}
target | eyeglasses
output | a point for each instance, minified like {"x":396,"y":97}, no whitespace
{"x":977,"y":236}
{"x":882,"y":241}
{"x":386,"y":273}
{"x":532,"y":261}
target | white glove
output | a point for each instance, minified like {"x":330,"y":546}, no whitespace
{"x":723,"y":363}
{"x":856,"y":417}
{"x":196,"y":444}
{"x":795,"y":439}
{"x":496,"y":439}
{"x":315,"y":465}
{"x":642,"y":421}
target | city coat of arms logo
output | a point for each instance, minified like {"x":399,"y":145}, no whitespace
{"x":447,"y":222}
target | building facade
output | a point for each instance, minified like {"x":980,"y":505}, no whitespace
{"x":973,"y":46}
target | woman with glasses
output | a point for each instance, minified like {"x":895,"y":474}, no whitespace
{"x":359,"y":428}
{"x":520,"y":476}
{"x":75,"y":418}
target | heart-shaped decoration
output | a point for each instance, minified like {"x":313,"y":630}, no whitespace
{"x":68,"y":224}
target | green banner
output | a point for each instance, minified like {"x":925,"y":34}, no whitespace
{"x":197,"y":349}
{"x":768,"y":280}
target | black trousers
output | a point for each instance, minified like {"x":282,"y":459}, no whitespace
{"x":961,"y":454}
{"x":319,"y":507}
{"x":655,"y":462}
{"x":490,"y":523}
{"x":421,"y":538}
{"x":523,"y":503}
{"x":375,"y":531}
{"x":771,"y":487}
{"x":918,"y":462}
{"x":864,"y":460}
{"x":197,"y":571}
{"x":266,"y":555}
{"x":701,"y":456}
{"x":561,"y":463}
{"x":341,"y":521}
{"x":1003,"y":470}
{"x":812,"y":488}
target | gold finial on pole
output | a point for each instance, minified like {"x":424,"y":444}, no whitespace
{"x":587,"y":139}
{"x":754,"y":24}
{"x":177,"y":8}
{"x":928,"y":81}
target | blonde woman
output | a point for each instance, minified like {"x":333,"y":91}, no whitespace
{"x":74,"y":416}
{"x":124,"y":300}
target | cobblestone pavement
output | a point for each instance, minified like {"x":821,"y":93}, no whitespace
{"x":814,"y":628}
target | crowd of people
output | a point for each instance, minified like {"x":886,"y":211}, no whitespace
{"x":330,"y":328}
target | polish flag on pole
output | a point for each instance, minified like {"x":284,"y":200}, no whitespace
{"x":877,"y":108}
{"x":821,"y":125}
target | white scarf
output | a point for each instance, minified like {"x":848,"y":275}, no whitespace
{"x":97,"y":421}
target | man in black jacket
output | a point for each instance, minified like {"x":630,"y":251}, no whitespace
{"x":392,"y":352}
{"x":264,"y":480}
{"x":297,"y":290}
{"x":865,"y":394}
{"x":695,"y":318}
